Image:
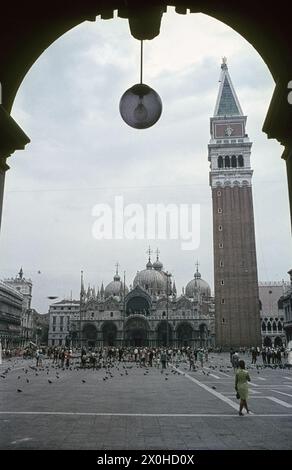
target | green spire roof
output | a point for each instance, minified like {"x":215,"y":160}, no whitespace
{"x":227,"y":101}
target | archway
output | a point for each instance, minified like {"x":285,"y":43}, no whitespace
{"x":268,"y":342}
{"x":278,"y":343}
{"x":256,"y":25}
{"x":136,"y":332}
{"x":164,"y":337}
{"x":184,"y":334}
{"x":89,"y":334}
{"x":109,"y":334}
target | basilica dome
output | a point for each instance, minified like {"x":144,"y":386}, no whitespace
{"x":115,"y":287}
{"x":150,"y":279}
{"x":198,"y":286}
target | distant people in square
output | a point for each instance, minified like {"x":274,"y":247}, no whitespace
{"x":241,"y":386}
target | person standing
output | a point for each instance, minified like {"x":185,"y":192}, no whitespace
{"x":163,"y":358}
{"x":241,"y":386}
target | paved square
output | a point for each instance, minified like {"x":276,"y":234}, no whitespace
{"x":141,"y":408}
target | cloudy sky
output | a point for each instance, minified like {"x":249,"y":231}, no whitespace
{"x":82,"y":153}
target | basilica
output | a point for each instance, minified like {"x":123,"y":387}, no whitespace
{"x":148,"y":313}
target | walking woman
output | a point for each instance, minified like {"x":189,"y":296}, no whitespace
{"x":241,"y":386}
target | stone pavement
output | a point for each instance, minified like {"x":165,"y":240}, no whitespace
{"x":135,"y":408}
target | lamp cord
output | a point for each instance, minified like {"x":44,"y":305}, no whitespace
{"x":141,"y":62}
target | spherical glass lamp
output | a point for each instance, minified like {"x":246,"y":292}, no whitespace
{"x":140,"y":106}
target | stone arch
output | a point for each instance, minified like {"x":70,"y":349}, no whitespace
{"x":184,"y":334}
{"x":109,"y":333}
{"x":161,"y":334}
{"x":255,"y":25}
{"x":89,"y":334}
{"x":267,"y":342}
{"x":278,"y":343}
{"x":136,"y":331}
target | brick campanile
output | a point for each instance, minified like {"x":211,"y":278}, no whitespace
{"x":237,"y":315}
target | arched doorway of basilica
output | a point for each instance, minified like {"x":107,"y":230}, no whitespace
{"x":161,"y":334}
{"x":203,"y":330}
{"x":278,"y":342}
{"x":136,"y":332}
{"x":109,"y":334}
{"x":184,"y":335}
{"x":268,"y":342}
{"x":89,"y":334}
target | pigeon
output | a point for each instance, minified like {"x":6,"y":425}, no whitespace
{"x":214,"y":388}
{"x":18,"y":377}
{"x":19,"y":390}
{"x":50,"y":381}
{"x":83,"y":381}
{"x":166,"y":378}
{"x":27,"y":381}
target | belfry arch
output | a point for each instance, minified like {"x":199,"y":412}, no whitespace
{"x":25,"y":36}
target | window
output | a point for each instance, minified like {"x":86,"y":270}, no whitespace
{"x":220,"y":162}
{"x":220,"y":228}
{"x":227,"y":161}
{"x":54,"y":328}
{"x":60,"y":342}
{"x":61,"y":320}
{"x":53,"y":342}
{"x":61,"y":328}
{"x":240,"y":161}
{"x":112,"y":314}
{"x":222,"y":282}
{"x":233,"y":161}
{"x":222,"y":301}
{"x":54,"y":320}
{"x":221,"y":245}
{"x":219,"y":193}
{"x":219,"y":210}
{"x":221,"y":263}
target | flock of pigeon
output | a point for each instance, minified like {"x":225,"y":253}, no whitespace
{"x":28,"y":373}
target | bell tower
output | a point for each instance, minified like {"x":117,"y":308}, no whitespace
{"x":237,"y":315}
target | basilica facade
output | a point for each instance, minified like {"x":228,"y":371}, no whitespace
{"x":149,"y":313}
